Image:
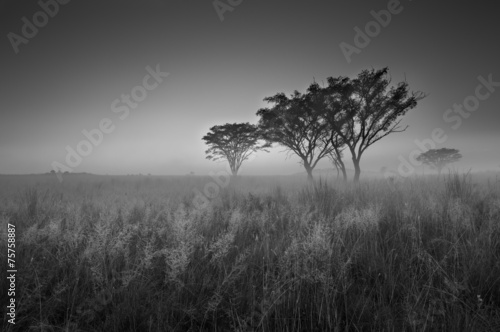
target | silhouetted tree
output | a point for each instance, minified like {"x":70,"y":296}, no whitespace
{"x":296,"y":123}
{"x":364,"y":110}
{"x":336,"y":155}
{"x":233,"y":142}
{"x":439,"y":158}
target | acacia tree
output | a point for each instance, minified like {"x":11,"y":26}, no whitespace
{"x":439,"y":158}
{"x":335,"y":112}
{"x":233,"y":142}
{"x":364,"y":110}
{"x":336,"y":154}
{"x":296,"y":123}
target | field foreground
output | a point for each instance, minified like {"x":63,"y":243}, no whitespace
{"x":267,"y":254}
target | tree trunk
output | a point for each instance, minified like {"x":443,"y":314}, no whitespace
{"x":342,"y":168}
{"x":355,"y":160}
{"x":357,"y":170}
{"x":310,"y":176}
{"x":344,"y":173}
{"x":309,"y":171}
{"x":234,"y":172}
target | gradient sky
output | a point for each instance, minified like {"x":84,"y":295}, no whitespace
{"x":65,"y":79}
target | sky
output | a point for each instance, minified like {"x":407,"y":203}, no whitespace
{"x":195,"y":64}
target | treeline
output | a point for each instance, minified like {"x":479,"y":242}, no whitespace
{"x":322,"y":122}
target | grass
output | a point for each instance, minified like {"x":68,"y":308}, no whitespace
{"x":268,"y":254}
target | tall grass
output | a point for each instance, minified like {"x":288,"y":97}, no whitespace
{"x":133,"y":254}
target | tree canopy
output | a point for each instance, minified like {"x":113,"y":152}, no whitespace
{"x":439,"y":158}
{"x":233,"y":142}
{"x":296,"y":123}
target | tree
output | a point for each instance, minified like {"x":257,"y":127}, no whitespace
{"x":296,"y":123}
{"x":439,"y":158}
{"x":337,"y":154}
{"x":364,"y":110}
{"x":233,"y":142}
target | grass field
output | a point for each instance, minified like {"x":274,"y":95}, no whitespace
{"x":134,"y":253}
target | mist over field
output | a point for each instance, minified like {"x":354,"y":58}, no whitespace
{"x":235,"y":165}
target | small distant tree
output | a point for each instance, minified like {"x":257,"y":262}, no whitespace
{"x":233,"y":142}
{"x":439,"y":158}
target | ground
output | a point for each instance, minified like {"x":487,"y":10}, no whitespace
{"x":140,"y":253}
